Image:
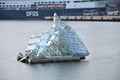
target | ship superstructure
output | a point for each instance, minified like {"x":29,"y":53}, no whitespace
{"x":40,"y":8}
{"x":49,"y":4}
{"x":61,"y":43}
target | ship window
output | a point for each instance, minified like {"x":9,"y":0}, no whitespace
{"x":10,"y":5}
{"x":42,"y":2}
{"x":3,"y":2}
{"x":13,"y":5}
{"x":53,"y":2}
{"x":34,"y":2}
{"x":68,"y":1}
{"x":45,"y":2}
{"x":64,"y":1}
{"x":76,"y":1}
{"x":24,"y":5}
{"x":6,"y":5}
{"x":49,"y":2}
{"x":60,"y":1}
{"x":38,"y":2}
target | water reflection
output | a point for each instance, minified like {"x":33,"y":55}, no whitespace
{"x":101,"y":38}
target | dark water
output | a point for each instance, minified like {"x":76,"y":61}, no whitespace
{"x":101,"y":38}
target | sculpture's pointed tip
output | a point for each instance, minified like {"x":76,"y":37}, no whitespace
{"x":55,"y":14}
{"x":55,"y":17}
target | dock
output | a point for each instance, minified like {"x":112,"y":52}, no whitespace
{"x":86,"y":18}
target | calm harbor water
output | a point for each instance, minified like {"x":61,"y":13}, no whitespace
{"x":101,"y":38}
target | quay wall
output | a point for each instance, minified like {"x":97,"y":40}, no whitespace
{"x":86,"y":18}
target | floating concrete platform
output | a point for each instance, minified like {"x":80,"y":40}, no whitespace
{"x":51,"y":59}
{"x":54,"y":59}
